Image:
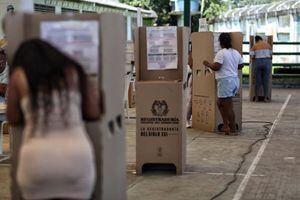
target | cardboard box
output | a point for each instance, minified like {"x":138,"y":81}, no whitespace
{"x":131,"y":94}
{"x":161,"y":99}
{"x":252,"y":77}
{"x":107,"y":134}
{"x":160,"y":111}
{"x":206,"y":115}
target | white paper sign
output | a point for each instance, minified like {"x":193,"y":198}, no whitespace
{"x":78,"y":39}
{"x":162,"y":48}
{"x":202,"y":25}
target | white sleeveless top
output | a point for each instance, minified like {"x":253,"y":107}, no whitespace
{"x":56,"y":159}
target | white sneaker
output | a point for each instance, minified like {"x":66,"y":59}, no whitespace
{"x":188,"y":124}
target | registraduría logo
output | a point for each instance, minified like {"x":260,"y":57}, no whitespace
{"x":159,"y":108}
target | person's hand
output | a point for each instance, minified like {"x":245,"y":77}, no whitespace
{"x":206,"y":63}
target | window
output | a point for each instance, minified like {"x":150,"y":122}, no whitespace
{"x":272,"y":20}
{"x":284,"y":21}
{"x":43,"y":8}
{"x":261,"y":21}
{"x":87,"y":11}
{"x":283,"y":37}
{"x":66,"y":10}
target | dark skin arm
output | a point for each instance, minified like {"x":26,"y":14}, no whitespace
{"x":214,"y":66}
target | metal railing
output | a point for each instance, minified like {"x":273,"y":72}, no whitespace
{"x":281,"y":54}
{"x":288,"y":73}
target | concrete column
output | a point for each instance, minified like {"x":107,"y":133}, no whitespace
{"x":139,"y":17}
{"x":180,"y":20}
{"x":57,"y":9}
{"x":293,"y":28}
{"x":129,"y":29}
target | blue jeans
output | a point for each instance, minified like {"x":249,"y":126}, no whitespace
{"x":263,"y":68}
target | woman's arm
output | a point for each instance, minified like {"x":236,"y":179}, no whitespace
{"x":214,"y":66}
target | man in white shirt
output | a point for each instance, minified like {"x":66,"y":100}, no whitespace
{"x":226,"y":64}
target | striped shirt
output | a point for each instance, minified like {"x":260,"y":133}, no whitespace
{"x":261,"y":49}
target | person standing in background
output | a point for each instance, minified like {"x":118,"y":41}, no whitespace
{"x":261,"y":56}
{"x":226,"y":64}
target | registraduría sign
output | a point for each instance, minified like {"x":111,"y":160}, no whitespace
{"x":159,"y":124}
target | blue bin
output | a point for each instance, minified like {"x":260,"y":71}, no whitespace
{"x":179,"y":5}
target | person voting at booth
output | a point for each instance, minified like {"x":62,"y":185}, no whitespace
{"x":261,"y":55}
{"x":51,"y":95}
{"x":226,"y":64}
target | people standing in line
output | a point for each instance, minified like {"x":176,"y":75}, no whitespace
{"x":51,"y":95}
{"x":189,"y":95}
{"x":261,"y":56}
{"x":226,"y":64}
{"x":3,"y":70}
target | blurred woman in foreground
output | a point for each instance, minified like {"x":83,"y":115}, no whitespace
{"x":50,"y":94}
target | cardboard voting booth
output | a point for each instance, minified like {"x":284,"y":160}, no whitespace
{"x":252,"y":77}
{"x":98,"y":43}
{"x":205,"y":112}
{"x":161,"y":60}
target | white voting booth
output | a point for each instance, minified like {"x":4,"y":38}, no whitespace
{"x":102,"y":53}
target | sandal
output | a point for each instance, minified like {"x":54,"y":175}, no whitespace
{"x":233,"y":133}
{"x":226,"y":131}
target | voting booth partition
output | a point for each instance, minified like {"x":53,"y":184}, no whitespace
{"x":161,"y":63}
{"x":97,"y":42}
{"x":205,"y":112}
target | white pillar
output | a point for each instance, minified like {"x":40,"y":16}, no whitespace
{"x":293,"y":28}
{"x":129,"y":29}
{"x":57,"y":9}
{"x":139,"y":17}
